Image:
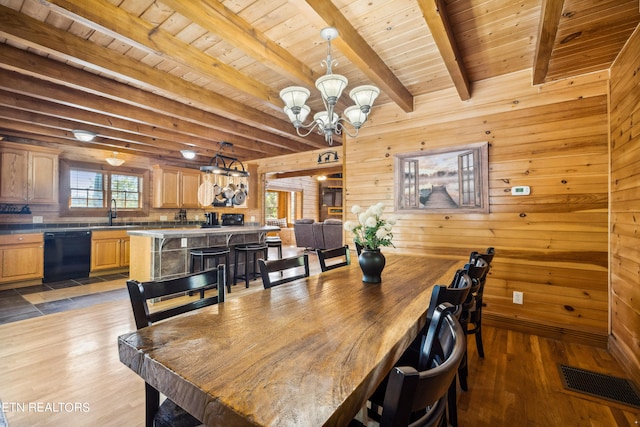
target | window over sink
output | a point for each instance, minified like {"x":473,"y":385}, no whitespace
{"x":87,"y":189}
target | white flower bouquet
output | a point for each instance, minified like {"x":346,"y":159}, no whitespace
{"x":371,"y":230}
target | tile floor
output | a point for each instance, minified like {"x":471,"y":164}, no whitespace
{"x":47,"y":298}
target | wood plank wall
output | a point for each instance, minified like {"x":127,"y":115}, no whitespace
{"x":293,"y":163}
{"x":307,"y":185}
{"x":625,"y":205}
{"x":551,"y":245}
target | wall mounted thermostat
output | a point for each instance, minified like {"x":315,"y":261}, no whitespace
{"x":521,"y":190}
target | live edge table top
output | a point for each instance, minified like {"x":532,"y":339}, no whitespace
{"x":306,"y":353}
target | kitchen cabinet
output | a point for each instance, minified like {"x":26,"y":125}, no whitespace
{"x":21,"y":257}
{"x":28,"y":174}
{"x":175,"y":187}
{"x":109,"y":250}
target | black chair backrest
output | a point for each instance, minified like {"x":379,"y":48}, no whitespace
{"x":328,"y":254}
{"x":455,"y":294}
{"x":282,"y":265}
{"x":417,"y":397}
{"x":140,"y":292}
{"x":487,"y":257}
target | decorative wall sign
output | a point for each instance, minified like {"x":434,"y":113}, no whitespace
{"x":445,"y":180}
{"x":328,"y":157}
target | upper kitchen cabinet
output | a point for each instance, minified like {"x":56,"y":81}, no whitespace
{"x":175,"y":187}
{"x":28,"y":174}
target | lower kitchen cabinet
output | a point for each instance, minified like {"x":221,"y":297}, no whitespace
{"x":109,"y":250}
{"x":21,"y":257}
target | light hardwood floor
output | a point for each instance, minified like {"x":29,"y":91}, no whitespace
{"x":63,"y":370}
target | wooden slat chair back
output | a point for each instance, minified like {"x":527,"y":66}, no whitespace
{"x":170,"y":414}
{"x":455,"y":293}
{"x":292,"y":268}
{"x":418,"y":397}
{"x":141,"y":292}
{"x":340,"y":254}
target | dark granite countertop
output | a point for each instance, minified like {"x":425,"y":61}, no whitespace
{"x":164,"y":233}
{"x":61,"y":227}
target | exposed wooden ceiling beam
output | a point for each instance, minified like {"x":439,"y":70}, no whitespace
{"x":104,"y":124}
{"x":218,"y":128}
{"x":437,"y":18}
{"x":354,"y":47}
{"x":22,"y":29}
{"x":213,"y":16}
{"x":547,"y":30}
{"x":13,"y":82}
{"x":329,"y":170}
{"x":106,"y":18}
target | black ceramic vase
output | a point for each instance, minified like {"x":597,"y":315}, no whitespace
{"x":371,"y":263}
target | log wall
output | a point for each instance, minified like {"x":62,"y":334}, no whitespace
{"x":306,"y":161}
{"x":551,"y":245}
{"x":625,"y":205}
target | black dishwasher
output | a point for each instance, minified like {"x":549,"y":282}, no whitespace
{"x":67,"y":255}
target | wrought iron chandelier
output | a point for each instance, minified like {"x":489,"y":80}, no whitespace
{"x":221,"y":164}
{"x":330,"y":86}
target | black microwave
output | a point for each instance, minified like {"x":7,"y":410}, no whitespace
{"x":232,"y":219}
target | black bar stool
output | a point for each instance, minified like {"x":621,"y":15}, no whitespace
{"x":203,"y":254}
{"x":274,"y":242}
{"x":247,"y":250}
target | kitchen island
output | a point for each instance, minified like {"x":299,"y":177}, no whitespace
{"x":164,"y":253}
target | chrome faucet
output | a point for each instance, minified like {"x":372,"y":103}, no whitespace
{"x":113,"y":211}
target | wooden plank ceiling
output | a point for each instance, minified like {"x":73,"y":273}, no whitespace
{"x":153,"y":77}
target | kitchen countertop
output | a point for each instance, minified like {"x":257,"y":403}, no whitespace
{"x":196,"y":232}
{"x":52,"y":228}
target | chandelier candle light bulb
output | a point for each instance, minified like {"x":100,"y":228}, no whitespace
{"x":329,"y":123}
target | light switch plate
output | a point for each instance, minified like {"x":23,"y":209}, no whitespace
{"x":517,"y":297}
{"x":183,"y":242}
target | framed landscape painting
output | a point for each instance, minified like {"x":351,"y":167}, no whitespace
{"x":448,"y":180}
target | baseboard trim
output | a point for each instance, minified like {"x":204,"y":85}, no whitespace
{"x":625,"y":359}
{"x":549,"y":331}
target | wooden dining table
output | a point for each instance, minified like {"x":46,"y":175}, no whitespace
{"x":306,"y":353}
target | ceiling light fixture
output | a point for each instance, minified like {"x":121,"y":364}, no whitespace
{"x":83,"y":135}
{"x":330,"y":86}
{"x":188,"y":154}
{"x":114,"y":161}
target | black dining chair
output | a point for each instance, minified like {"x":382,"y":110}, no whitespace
{"x":289,"y":269}
{"x":454,"y":294}
{"x":337,"y":257}
{"x":170,"y":414}
{"x":480,"y":267}
{"x":417,"y":395}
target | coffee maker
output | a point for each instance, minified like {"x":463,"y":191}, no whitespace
{"x":211,"y":220}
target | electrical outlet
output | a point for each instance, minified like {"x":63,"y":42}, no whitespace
{"x":163,"y":217}
{"x":36,"y":219}
{"x":517,"y":297}
{"x":197,"y":217}
{"x":183,"y":242}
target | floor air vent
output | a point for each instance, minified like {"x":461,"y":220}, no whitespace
{"x":603,"y":386}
